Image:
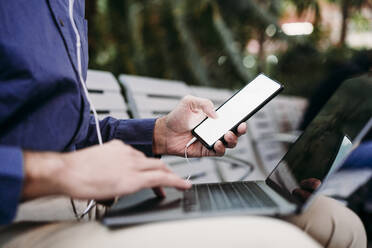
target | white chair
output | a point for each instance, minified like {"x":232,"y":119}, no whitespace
{"x":105,"y":94}
{"x":262,"y":127}
{"x":288,"y":112}
{"x":149,"y":97}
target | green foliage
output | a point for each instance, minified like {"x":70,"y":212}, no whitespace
{"x":204,"y":42}
{"x":360,"y":23}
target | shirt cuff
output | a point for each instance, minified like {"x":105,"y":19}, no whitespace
{"x":138,"y":133}
{"x":11,"y":180}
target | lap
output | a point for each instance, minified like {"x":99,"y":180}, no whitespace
{"x":326,"y":221}
{"x":48,"y":209}
{"x":331,"y":224}
{"x":243,"y":231}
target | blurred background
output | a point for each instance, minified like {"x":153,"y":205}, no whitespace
{"x":224,"y":44}
{"x":310,"y":46}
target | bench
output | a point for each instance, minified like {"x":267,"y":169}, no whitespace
{"x":151,"y":98}
{"x":288,"y":112}
{"x":105,"y":94}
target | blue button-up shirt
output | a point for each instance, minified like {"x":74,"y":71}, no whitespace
{"x":361,"y":158}
{"x":42,"y":105}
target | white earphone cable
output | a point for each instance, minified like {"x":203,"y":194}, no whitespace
{"x":91,"y":203}
{"x":187,"y":159}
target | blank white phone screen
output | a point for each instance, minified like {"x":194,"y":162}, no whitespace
{"x":237,"y":108}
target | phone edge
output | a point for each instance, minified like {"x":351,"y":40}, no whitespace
{"x":245,"y":118}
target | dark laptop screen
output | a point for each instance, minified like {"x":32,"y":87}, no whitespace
{"x":325,"y":140}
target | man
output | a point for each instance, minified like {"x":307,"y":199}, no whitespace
{"x":45,"y":117}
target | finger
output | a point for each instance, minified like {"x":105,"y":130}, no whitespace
{"x":219,"y":149}
{"x":301,"y":194}
{"x":153,"y":179}
{"x":159,"y":192}
{"x":203,"y":104}
{"x":310,"y":184}
{"x":231,"y":139}
{"x":152,"y":164}
{"x":242,"y":128}
{"x":208,"y":108}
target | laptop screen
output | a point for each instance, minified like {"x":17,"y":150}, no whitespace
{"x":325,"y":142}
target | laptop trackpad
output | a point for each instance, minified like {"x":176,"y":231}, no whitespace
{"x":145,"y":201}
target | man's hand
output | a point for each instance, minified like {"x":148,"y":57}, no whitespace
{"x":172,"y":132}
{"x":306,"y":189}
{"x":99,"y":172}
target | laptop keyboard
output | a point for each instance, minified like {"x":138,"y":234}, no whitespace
{"x":214,"y":197}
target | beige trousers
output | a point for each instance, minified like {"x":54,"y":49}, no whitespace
{"x":325,"y":224}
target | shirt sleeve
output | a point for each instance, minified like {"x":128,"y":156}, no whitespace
{"x":360,"y":158}
{"x":135,"y":132}
{"x":11,"y":180}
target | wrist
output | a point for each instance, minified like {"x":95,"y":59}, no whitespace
{"x":159,"y":144}
{"x":41,"y":174}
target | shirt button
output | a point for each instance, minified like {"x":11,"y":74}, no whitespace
{"x":61,"y":22}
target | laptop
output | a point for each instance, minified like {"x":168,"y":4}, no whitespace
{"x":290,"y":187}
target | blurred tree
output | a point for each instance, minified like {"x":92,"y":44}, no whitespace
{"x":346,"y":7}
{"x":211,"y":42}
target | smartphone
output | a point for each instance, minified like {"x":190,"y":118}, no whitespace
{"x":237,"y":109}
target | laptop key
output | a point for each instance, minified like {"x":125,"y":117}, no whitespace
{"x":232,"y":195}
{"x":246,"y":195}
{"x":218,"y":197}
{"x":189,"y":200}
{"x":262,"y":195}
{"x":204,"y":198}
{"x":212,"y":197}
